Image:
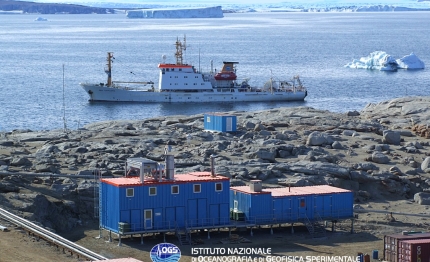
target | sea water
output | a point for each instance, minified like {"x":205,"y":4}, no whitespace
{"x":43,"y":62}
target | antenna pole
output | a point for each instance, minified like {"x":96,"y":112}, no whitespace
{"x":64,"y":105}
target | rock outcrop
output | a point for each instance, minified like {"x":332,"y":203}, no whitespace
{"x":375,"y":153}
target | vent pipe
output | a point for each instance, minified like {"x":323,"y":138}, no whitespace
{"x":213,"y":166}
{"x":170,"y":167}
{"x":142,"y":173}
{"x":170,"y":163}
{"x":255,"y":186}
{"x":160,"y":172}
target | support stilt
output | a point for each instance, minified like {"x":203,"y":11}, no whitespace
{"x":352,"y":226}
{"x":209,"y":234}
{"x":141,"y":239}
{"x":164,"y":237}
{"x":251,"y":232}
{"x":110,"y":236}
{"x":292,"y":228}
{"x":271,"y":230}
{"x":229,"y":232}
{"x":119,"y":242}
{"x":332,"y":226}
{"x":100,"y":233}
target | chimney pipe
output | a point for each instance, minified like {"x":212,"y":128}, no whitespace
{"x":160,"y":172}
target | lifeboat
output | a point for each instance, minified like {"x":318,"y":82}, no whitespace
{"x":225,"y":76}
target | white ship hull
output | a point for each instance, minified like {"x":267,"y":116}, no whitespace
{"x":105,"y":93}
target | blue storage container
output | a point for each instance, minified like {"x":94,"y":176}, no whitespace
{"x":220,"y":122}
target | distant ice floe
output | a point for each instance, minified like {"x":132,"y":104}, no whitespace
{"x":380,"y":60}
{"x":40,"y":19}
{"x":208,"y":12}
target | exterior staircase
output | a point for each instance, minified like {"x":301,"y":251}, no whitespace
{"x":315,"y":227}
{"x":184,"y":236}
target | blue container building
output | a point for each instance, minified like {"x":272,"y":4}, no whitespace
{"x":150,"y":198}
{"x":288,"y":205}
{"x":220,"y":122}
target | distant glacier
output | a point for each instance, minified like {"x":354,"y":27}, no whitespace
{"x":208,"y":12}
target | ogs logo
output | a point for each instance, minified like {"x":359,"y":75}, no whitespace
{"x":165,"y":252}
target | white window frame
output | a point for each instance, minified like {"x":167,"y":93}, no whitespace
{"x":171,"y":189}
{"x":216,"y":185}
{"x":194,"y":188}
{"x":235,"y":205}
{"x":127,"y":190}
{"x":149,"y":191}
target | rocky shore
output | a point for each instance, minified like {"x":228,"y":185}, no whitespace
{"x":380,"y":152}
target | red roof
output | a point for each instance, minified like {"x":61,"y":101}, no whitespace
{"x":293,"y":191}
{"x":178,"y":179}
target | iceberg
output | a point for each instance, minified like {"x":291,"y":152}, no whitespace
{"x":208,"y":12}
{"x":410,"y":62}
{"x":40,"y":19}
{"x":380,"y":60}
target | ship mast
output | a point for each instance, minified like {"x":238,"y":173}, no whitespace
{"x":180,"y":47}
{"x":108,"y":70}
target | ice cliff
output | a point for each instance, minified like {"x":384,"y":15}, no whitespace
{"x":208,"y":12}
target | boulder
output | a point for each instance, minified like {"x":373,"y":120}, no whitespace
{"x":380,"y":158}
{"x":391,"y":137}
{"x":317,"y":138}
{"x":422,"y":198}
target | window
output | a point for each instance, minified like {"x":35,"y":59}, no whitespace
{"x":218,"y":187}
{"x":175,"y":189}
{"x":197,"y":188}
{"x":129,"y":192}
{"x":152,"y":191}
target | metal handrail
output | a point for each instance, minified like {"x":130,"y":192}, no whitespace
{"x":50,"y":236}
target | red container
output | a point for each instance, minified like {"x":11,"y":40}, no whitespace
{"x":392,"y":244}
{"x":417,"y":250}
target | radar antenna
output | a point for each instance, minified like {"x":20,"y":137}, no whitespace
{"x":180,"y":47}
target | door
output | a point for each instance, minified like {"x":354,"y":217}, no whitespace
{"x":302,"y":207}
{"x":202,"y":214}
{"x":192,"y":213}
{"x":170,"y":217}
{"x":148,"y":218}
{"x":229,"y":124}
{"x":214,"y":214}
{"x":180,"y":217}
{"x":136,"y":220}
